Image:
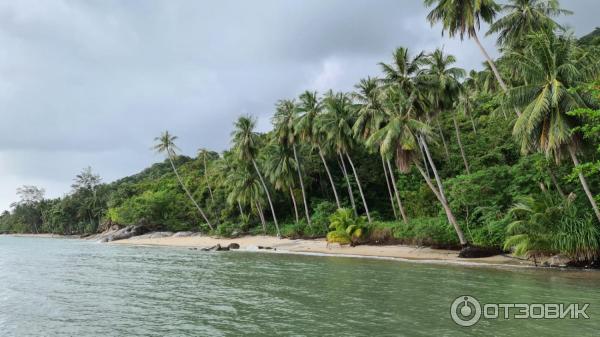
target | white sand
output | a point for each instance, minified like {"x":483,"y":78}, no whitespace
{"x":320,"y":247}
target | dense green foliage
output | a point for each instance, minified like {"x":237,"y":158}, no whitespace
{"x":430,"y":154}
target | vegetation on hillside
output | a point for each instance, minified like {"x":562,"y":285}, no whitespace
{"x":423,"y":153}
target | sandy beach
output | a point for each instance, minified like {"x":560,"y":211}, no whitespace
{"x":320,"y":247}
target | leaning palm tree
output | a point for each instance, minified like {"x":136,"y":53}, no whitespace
{"x":400,"y":139}
{"x":309,"y":108}
{"x":553,"y":69}
{"x":465,"y":105}
{"x":445,"y":79}
{"x":402,"y":71}
{"x":245,"y":143}
{"x":525,"y":17}
{"x":247,"y":190}
{"x":285,"y":120}
{"x":369,"y":117}
{"x":203,"y":153}
{"x":336,"y":123}
{"x":463,"y":17}
{"x":280,"y":169}
{"x":166,"y":144}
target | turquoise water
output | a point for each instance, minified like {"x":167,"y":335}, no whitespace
{"x":61,"y":287}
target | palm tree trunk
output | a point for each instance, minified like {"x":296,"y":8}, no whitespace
{"x":423,"y":157}
{"x":438,"y":180}
{"x":437,"y":121}
{"x":212,"y":198}
{"x":241,"y":209}
{"x":262,"y":181}
{"x":472,"y":123}
{"x":295,"y":206}
{"x":491,"y":63}
{"x":188,"y":193}
{"x":337,"y":199}
{"x":461,"y":236}
{"x":583,"y":181}
{"x":362,"y":195}
{"x":494,"y":70}
{"x":261,"y":215}
{"x":301,"y":185}
{"x":350,"y":192}
{"x":556,"y":185}
{"x":387,"y":182}
{"x":462,"y":150}
{"x":400,"y":207}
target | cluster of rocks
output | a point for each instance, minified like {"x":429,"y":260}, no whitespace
{"x":115,"y":233}
{"x":219,"y":248}
{"x":134,"y":232}
{"x":557,"y":261}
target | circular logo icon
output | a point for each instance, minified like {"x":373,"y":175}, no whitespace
{"x":465,"y":310}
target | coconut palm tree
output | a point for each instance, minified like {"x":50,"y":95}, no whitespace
{"x":553,"y":68}
{"x":280,"y":169}
{"x":203,"y":153}
{"x":246,"y":189}
{"x":525,"y":17}
{"x":309,"y":108}
{"x":403,"y":69}
{"x":465,"y":105}
{"x":400,"y":138}
{"x":166,"y":144}
{"x":245,"y":143}
{"x":336,"y":123}
{"x":369,"y":117}
{"x":284,"y":121}
{"x":445,"y":79}
{"x":463,"y":17}
{"x":402,"y":72}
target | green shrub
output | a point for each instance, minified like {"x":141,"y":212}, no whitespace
{"x":346,"y":227}
{"x":315,"y":231}
{"x":492,"y":232}
{"x":382,"y":232}
{"x":340,"y":237}
{"x":321,"y":214}
{"x":435,"y":232}
{"x":548,"y":224}
{"x":227,"y":229}
{"x":293,"y":231}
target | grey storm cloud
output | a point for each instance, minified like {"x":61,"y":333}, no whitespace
{"x":93,"y":82}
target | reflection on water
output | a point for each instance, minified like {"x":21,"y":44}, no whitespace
{"x":54,"y":287}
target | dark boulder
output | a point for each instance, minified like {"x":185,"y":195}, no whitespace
{"x":216,"y":248}
{"x":474,"y":252}
{"x":233,"y":245}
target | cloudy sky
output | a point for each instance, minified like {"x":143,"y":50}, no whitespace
{"x":93,"y":82}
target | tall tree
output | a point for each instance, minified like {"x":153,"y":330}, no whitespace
{"x":336,"y":123}
{"x":285,"y":122}
{"x":553,"y":68}
{"x":463,"y":17}
{"x":203,"y":153}
{"x":445,"y":80}
{"x":369,"y":117}
{"x":524,"y":17}
{"x":245,"y":143}
{"x":280,"y":169}
{"x":86,"y":183}
{"x":166,"y":144}
{"x":401,"y":73}
{"x":245,"y":189}
{"x":310,"y":107}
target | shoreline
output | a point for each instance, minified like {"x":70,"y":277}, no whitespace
{"x":319,"y":247}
